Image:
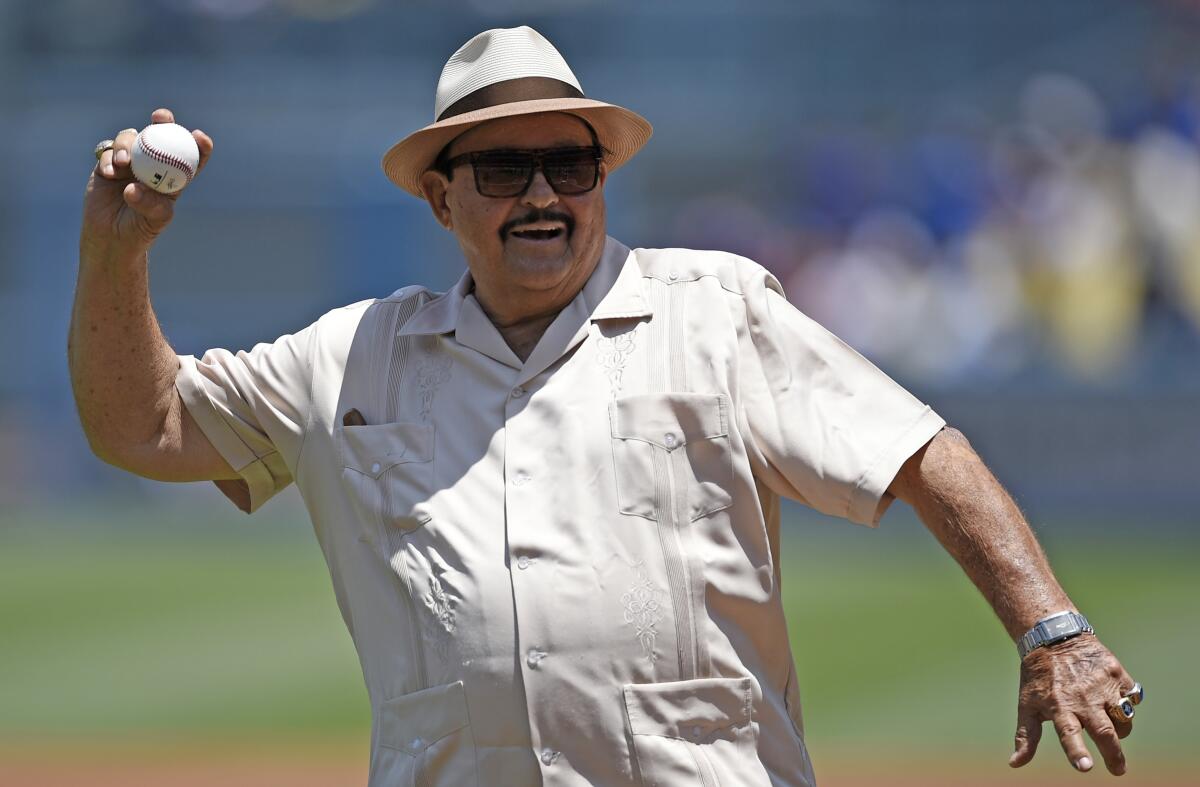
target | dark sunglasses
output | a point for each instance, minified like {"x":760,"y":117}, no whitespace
{"x":508,"y":173}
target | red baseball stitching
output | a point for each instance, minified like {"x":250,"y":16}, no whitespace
{"x":163,"y":157}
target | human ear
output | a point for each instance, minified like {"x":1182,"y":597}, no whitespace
{"x":435,"y":186}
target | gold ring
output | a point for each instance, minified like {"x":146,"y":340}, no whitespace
{"x":101,"y":146}
{"x":1136,"y":694}
{"x":1121,"y":712}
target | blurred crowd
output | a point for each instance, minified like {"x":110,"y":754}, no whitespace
{"x":1043,"y":230}
{"x":1060,"y":243}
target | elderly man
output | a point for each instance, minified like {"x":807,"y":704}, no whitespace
{"x":549,"y":498}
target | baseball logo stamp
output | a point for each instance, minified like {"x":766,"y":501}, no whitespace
{"x":165,"y":157}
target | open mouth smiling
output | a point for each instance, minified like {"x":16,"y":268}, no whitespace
{"x":533,"y":228}
{"x":538,"y":234}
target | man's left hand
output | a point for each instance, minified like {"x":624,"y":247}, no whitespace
{"x":1072,"y":684}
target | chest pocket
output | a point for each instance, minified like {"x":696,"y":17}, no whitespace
{"x":387,"y":470}
{"x":671,"y":455}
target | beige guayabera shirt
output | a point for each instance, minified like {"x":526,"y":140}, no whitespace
{"x":566,"y":571}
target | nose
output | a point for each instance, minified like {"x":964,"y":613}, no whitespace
{"x":540,"y":193}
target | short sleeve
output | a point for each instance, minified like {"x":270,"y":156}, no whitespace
{"x":253,"y":407}
{"x":823,"y":425}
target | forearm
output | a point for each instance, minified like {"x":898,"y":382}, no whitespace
{"x":977,"y":522}
{"x":122,"y":368}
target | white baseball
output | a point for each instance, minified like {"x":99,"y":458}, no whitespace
{"x":165,"y":157}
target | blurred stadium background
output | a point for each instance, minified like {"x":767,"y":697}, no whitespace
{"x":998,"y":203}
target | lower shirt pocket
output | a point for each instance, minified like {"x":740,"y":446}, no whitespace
{"x":695,"y":732}
{"x":424,"y":738}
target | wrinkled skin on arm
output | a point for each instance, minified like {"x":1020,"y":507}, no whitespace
{"x":1069,"y":684}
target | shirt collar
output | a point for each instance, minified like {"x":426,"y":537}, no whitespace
{"x":613,"y":291}
{"x":440,"y":314}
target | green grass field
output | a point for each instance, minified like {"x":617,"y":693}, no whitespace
{"x":154,"y":624}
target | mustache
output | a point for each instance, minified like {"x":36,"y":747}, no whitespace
{"x":534,"y":216}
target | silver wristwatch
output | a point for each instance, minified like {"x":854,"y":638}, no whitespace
{"x":1052,"y":629}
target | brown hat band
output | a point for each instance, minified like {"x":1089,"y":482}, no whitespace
{"x":510,"y":91}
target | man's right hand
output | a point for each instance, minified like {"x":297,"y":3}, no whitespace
{"x":120,"y":214}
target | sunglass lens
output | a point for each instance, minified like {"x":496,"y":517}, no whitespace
{"x":572,"y":172}
{"x":503,"y":176}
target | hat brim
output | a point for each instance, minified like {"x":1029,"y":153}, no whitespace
{"x":619,"y":130}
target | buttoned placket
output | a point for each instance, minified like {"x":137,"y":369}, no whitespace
{"x":521,"y":513}
{"x":534,"y":568}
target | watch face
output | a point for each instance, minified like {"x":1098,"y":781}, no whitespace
{"x":1062,"y":626}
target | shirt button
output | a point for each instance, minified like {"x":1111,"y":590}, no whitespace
{"x":518,"y":392}
{"x":548,"y":757}
{"x":674,"y":275}
{"x":375,"y":468}
{"x":417,"y":743}
{"x":669,"y":440}
{"x":534,"y":658}
{"x":523,"y":562}
{"x":697,"y":732}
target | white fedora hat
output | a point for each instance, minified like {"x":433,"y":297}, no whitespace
{"x":505,"y":72}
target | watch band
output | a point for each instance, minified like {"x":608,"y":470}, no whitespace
{"x":1051,"y":629}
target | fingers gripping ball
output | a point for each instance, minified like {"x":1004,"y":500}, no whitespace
{"x":165,"y":157}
